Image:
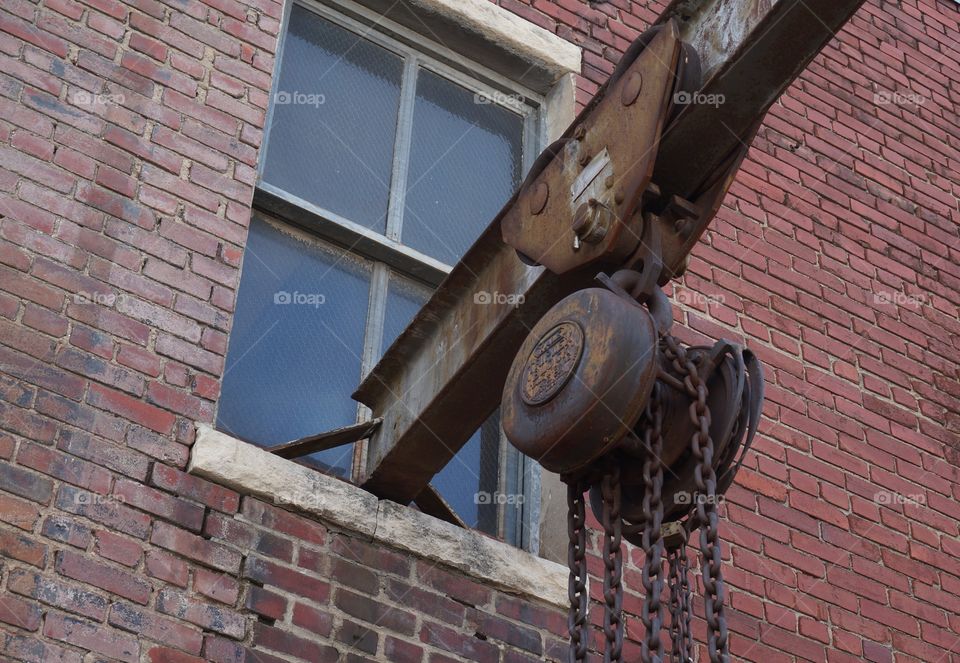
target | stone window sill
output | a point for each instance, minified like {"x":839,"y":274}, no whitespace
{"x":251,"y":470}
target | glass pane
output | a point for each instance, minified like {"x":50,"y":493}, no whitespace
{"x":465,"y":163}
{"x":404,"y":299}
{"x":296,"y":343}
{"x":334,"y":120}
{"x":469,"y":481}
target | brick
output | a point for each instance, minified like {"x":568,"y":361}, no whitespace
{"x":189,"y":354}
{"x":281,"y":577}
{"x":376,"y":613}
{"x":167,"y":655}
{"x":18,"y":513}
{"x":158,"y":447}
{"x":131,"y":408}
{"x":166,"y":567}
{"x":264,"y":602}
{"x":181,"y":402}
{"x":181,"y":512}
{"x":462,"y":644}
{"x":103,"y":509}
{"x":370,"y":555}
{"x":19,"y":613}
{"x":512,"y":634}
{"x":117,"y":548}
{"x":358,"y":637}
{"x":61,"y":528}
{"x":150,"y":625}
{"x":194,"y":547}
{"x":87,"y":635}
{"x":26,"y":484}
{"x":205,"y":615}
{"x":59,"y":594}
{"x":287,"y":643}
{"x":18,"y":546}
{"x":105,"y":577}
{"x":195,"y":488}
{"x":283,"y":521}
{"x":456,"y":587}
{"x":112,"y":456}
{"x":217,"y":586}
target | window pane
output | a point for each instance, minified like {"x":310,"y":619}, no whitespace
{"x":296,"y":343}
{"x":469,"y":481}
{"x":465,"y":163}
{"x":334,"y":120}
{"x":404,"y":299}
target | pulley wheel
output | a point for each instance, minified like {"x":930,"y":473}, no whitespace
{"x":580,"y":380}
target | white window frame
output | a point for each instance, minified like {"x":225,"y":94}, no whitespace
{"x":545,"y":114}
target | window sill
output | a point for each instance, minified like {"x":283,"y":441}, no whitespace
{"x":251,"y":470}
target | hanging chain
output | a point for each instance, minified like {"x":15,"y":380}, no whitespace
{"x":577,"y":563}
{"x":651,"y":611}
{"x":705,"y":518}
{"x":613,"y":563}
{"x":706,"y":503}
{"x":679,"y":584}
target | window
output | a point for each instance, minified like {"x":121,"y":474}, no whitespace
{"x":380,"y":166}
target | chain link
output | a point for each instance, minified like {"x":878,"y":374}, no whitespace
{"x":577,"y":563}
{"x":613,"y":563}
{"x":705,"y":476}
{"x":651,"y":611}
{"x":679,"y":584}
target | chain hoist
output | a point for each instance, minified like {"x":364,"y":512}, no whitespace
{"x":653,"y":432}
{"x":649,"y":430}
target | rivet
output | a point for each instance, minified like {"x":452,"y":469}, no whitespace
{"x":538,"y":199}
{"x":631,"y":88}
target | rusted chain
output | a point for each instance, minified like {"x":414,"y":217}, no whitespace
{"x":705,"y":476}
{"x":577,"y":563}
{"x":651,"y":611}
{"x":613,"y":564}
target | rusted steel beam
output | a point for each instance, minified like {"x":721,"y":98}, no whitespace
{"x":444,"y":375}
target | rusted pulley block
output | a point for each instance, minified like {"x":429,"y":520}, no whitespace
{"x":580,"y":384}
{"x":580,"y":380}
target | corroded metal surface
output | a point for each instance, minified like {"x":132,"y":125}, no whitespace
{"x":600,"y":168}
{"x":455,"y":354}
{"x":591,"y":363}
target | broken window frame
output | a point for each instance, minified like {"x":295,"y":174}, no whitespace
{"x":517,"y":524}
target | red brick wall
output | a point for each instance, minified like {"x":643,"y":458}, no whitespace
{"x":128,"y":143}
